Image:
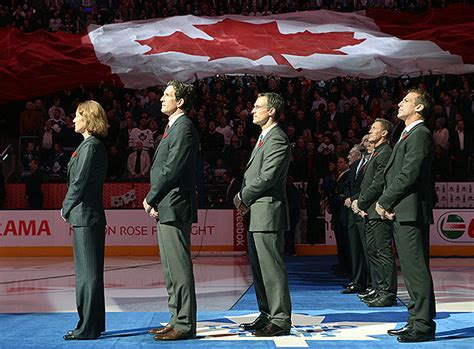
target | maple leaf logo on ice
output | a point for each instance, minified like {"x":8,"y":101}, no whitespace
{"x":233,"y":38}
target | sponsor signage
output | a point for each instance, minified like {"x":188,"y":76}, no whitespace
{"x":453,"y":226}
{"x":124,"y":228}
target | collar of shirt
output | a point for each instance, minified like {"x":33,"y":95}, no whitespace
{"x":413,"y":124}
{"x":265,"y":132}
{"x":173,"y":119}
{"x":379,"y":146}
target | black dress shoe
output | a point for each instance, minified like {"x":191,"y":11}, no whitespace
{"x":71,"y":337}
{"x":368,"y":292}
{"x":416,"y":336}
{"x":370,"y":298}
{"x":348,"y":285}
{"x":383,"y":301}
{"x":271,"y":330}
{"x":352,"y":289}
{"x":257,"y":324}
{"x":399,"y":331}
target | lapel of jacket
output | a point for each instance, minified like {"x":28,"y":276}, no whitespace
{"x":378,"y":150}
{"x":398,"y":144}
{"x":256,"y":149}
{"x":72,"y":160}
{"x":173,"y":127}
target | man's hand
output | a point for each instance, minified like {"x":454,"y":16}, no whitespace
{"x":61,"y":213}
{"x":383,"y":213}
{"x":380,"y":210}
{"x":239,"y":205}
{"x":147,"y":207}
{"x":237,"y":201}
{"x":390,"y":215}
{"x":154,"y":213}
{"x":347,"y":202}
{"x":354,"y":207}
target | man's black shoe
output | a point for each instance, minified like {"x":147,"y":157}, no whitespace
{"x":368,"y":292}
{"x":370,"y":298}
{"x":399,"y":331}
{"x":257,"y":324}
{"x":383,"y":301}
{"x":416,"y":336}
{"x":352,"y":289}
{"x":271,"y":330}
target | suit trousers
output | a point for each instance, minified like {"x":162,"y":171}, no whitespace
{"x":358,"y":251}
{"x":380,"y":256}
{"x":412,"y":242}
{"x":270,"y":277}
{"x":89,"y":244}
{"x":175,"y":254}
{"x":342,"y":245}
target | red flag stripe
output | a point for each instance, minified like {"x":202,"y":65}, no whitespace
{"x":451,"y":28}
{"x":34,"y":64}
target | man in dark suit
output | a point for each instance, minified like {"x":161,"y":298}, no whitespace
{"x":460,"y":150}
{"x":340,"y":218}
{"x":356,"y":228}
{"x":407,"y":200}
{"x":171,"y":200}
{"x":378,"y":231}
{"x":264,"y":194}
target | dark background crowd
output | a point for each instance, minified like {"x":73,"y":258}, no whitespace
{"x":323,"y":119}
{"x":73,"y":16}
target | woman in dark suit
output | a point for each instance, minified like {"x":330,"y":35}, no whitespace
{"x":83,"y":209}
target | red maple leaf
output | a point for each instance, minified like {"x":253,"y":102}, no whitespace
{"x":241,"y":39}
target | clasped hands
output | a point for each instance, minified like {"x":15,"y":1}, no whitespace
{"x":150,"y":210}
{"x":383,"y":213}
{"x":239,"y":205}
{"x":357,"y":210}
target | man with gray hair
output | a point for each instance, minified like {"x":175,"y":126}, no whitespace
{"x":356,"y":226}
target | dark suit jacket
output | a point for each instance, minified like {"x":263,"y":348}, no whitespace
{"x":353,"y":182}
{"x":173,"y":174}
{"x":86,"y":172}
{"x":408,"y":183}
{"x":264,"y":184}
{"x":454,"y":145}
{"x":373,"y":182}
{"x":339,"y":210}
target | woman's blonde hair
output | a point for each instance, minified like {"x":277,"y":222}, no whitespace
{"x":95,"y":117}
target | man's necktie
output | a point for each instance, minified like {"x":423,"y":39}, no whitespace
{"x":361,"y":167}
{"x":404,"y":135}
{"x":165,"y":132}
{"x":260,"y":141}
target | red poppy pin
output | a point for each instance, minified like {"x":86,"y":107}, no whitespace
{"x":375,"y":153}
{"x":405,"y":136}
{"x":260,"y":143}
{"x":74,"y":154}
{"x":165,"y":136}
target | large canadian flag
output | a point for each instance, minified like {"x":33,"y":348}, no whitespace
{"x":317,"y":45}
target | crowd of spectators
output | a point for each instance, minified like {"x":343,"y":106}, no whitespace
{"x":73,"y":16}
{"x":323,"y":120}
